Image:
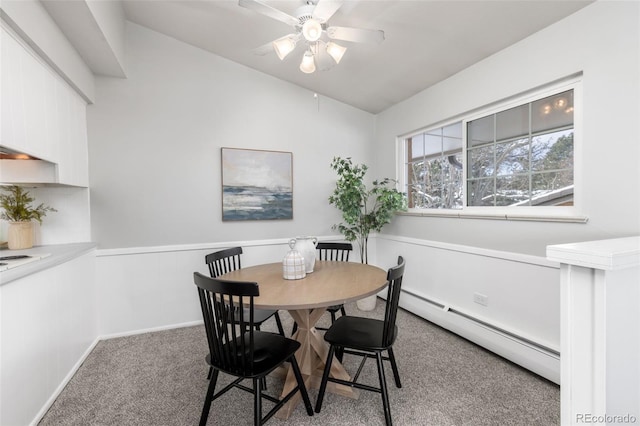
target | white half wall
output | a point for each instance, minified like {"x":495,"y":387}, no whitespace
{"x":146,"y":288}
{"x":520,"y":317}
{"x":47,"y":327}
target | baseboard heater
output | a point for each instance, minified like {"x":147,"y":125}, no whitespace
{"x":485,"y":324}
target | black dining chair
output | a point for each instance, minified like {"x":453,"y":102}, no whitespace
{"x":337,"y":252}
{"x":237,"y":349}
{"x":368,"y":338}
{"x":228,"y":260}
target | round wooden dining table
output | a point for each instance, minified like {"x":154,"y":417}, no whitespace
{"x":306,"y":300}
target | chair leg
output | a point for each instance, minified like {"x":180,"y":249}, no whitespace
{"x":339,"y":353}
{"x":394,"y":367}
{"x":295,"y":328}
{"x":279,"y":324}
{"x":257,"y":401}
{"x":302,"y":387}
{"x":383,"y":390}
{"x":209,"y":398}
{"x":325,"y":377}
{"x":333,"y":317}
{"x":344,"y":313}
{"x":209,"y":373}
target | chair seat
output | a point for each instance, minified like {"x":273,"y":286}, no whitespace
{"x":358,"y":333}
{"x":259,"y":315}
{"x":334,"y":308}
{"x":269,"y":350}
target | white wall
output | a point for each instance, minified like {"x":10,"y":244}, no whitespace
{"x":155,"y":139}
{"x":445,"y":255}
{"x":603,"y":42}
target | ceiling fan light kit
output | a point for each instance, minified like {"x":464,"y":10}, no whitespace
{"x":336,"y":51}
{"x":308,"y":64}
{"x":311,"y":30}
{"x":310,"y":24}
{"x":283,"y":46}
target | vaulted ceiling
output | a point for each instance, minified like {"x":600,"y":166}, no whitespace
{"x":425,"y":41}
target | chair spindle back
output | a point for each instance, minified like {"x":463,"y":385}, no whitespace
{"x":334,"y":251}
{"x":223,"y":261}
{"x":394,"y":277}
{"x":230,"y":337}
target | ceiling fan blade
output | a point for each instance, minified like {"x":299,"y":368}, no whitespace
{"x":269,"y":11}
{"x":357,"y":35}
{"x":325,"y":9}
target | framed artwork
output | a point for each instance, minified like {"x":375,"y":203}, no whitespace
{"x":256,"y":185}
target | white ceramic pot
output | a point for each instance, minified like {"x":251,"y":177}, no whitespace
{"x":307,"y":248}
{"x":20,"y":235}
{"x":368,"y":303}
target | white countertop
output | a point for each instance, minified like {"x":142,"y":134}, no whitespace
{"x":59,"y":253}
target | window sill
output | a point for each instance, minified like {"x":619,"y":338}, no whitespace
{"x":502,"y":215}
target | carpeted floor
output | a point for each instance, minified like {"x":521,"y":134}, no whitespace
{"x":161,"y":378}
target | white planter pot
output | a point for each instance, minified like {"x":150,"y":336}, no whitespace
{"x":368,"y":303}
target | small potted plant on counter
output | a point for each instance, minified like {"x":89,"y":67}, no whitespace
{"x":18,"y":211}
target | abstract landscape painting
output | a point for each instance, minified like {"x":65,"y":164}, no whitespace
{"x":256,"y":185}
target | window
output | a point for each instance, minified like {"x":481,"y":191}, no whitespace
{"x":522,"y":156}
{"x":518,"y":155}
{"x":434,"y":168}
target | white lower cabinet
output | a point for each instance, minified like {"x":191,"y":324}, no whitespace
{"x":47,"y":324}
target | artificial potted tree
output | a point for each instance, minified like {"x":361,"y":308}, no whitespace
{"x":363,"y":210}
{"x":18,"y":211}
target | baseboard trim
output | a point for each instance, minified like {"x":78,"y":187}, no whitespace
{"x":536,"y":358}
{"x":63,"y":383}
{"x":149,"y":330}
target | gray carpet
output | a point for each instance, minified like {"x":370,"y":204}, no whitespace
{"x":161,"y":378}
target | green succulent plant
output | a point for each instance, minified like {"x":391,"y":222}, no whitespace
{"x":16,"y":205}
{"x":363,"y":210}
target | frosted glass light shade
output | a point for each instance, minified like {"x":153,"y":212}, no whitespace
{"x":336,"y":51}
{"x":307,"y":65}
{"x":283,"y":46}
{"x":312,"y":30}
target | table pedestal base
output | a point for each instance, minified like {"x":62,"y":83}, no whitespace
{"x":311,"y":357}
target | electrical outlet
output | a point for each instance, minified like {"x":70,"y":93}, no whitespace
{"x":481,"y":299}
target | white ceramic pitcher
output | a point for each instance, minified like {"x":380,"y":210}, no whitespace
{"x":307,"y":248}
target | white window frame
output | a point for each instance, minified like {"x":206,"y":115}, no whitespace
{"x":532,"y":213}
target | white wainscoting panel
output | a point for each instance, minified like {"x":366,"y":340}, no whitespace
{"x":520,"y":317}
{"x":147,"y":288}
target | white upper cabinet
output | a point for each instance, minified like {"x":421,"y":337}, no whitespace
{"x":41,"y":115}
{"x":72,"y":132}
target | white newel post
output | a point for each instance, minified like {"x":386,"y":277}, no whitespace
{"x":600,"y":331}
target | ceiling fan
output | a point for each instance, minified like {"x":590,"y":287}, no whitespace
{"x":313,"y":32}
